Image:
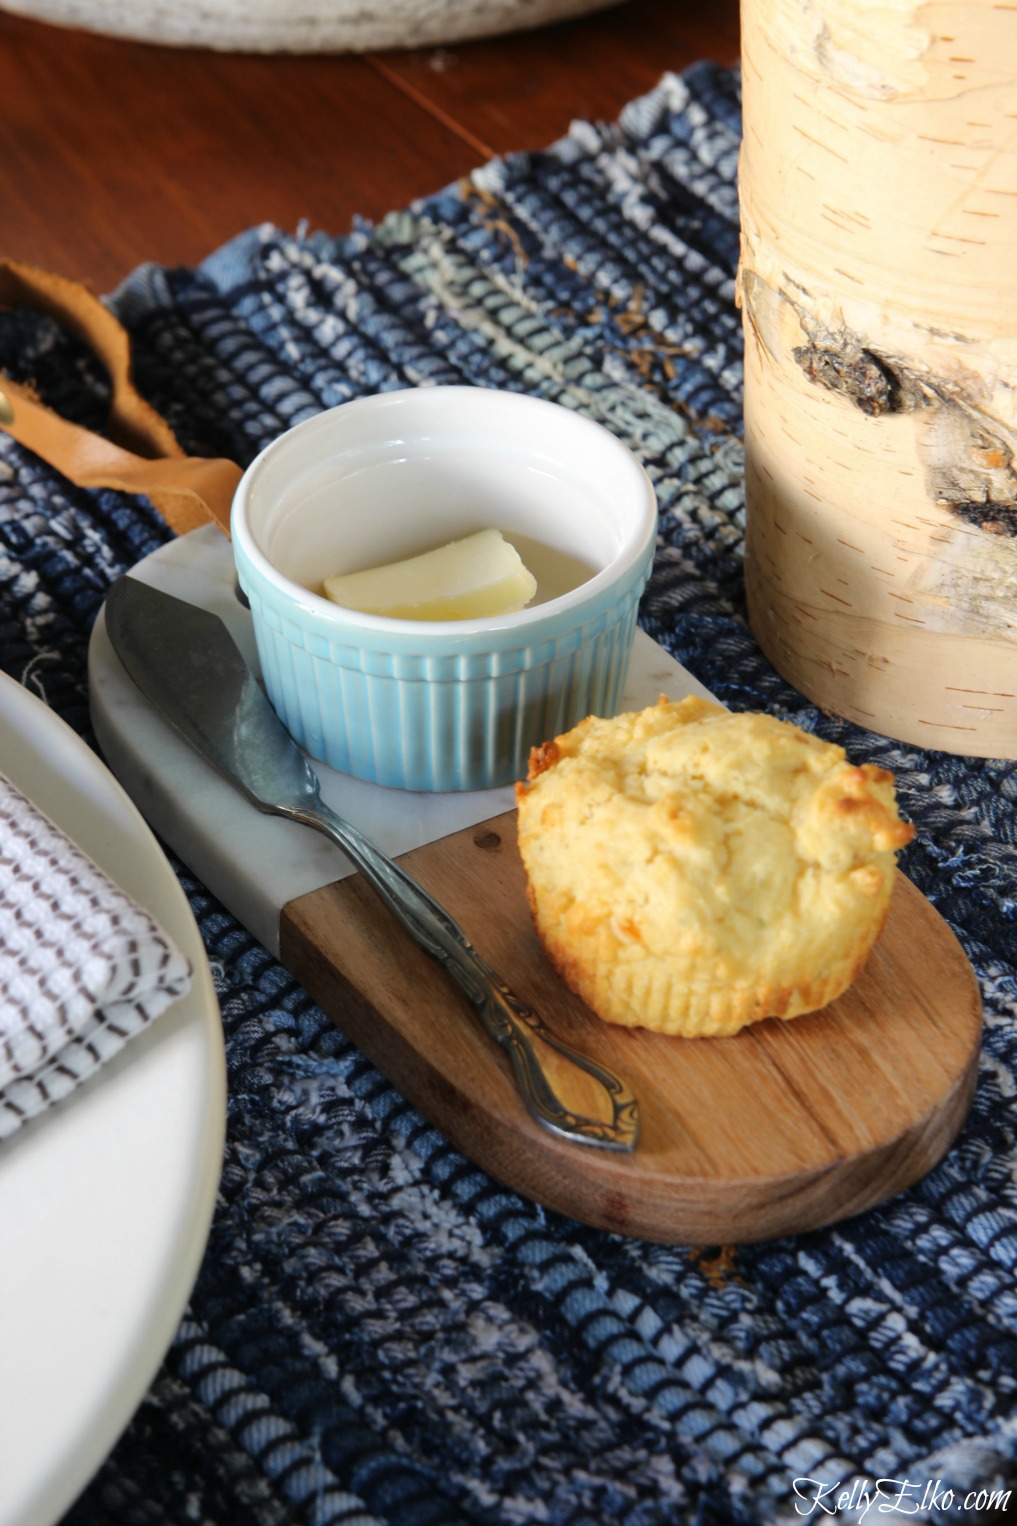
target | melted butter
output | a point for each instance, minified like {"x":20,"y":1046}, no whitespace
{"x":478,"y":576}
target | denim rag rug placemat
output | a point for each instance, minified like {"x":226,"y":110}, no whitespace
{"x":379,"y":1332}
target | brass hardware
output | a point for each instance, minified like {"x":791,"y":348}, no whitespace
{"x":6,"y":409}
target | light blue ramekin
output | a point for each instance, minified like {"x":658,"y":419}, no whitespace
{"x":443,"y":705}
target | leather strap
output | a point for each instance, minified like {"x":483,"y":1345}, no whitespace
{"x":139,"y":453}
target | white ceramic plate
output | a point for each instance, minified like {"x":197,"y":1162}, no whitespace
{"x":105,"y":1200}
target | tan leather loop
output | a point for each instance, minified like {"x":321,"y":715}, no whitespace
{"x":139,"y":454}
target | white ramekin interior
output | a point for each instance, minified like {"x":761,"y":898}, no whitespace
{"x":392,"y":475}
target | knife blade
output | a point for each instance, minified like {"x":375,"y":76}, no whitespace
{"x":187,"y":665}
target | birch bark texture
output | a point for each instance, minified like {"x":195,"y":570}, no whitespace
{"x":878,"y":287}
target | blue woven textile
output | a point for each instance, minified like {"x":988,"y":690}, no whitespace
{"x":380,"y":1333}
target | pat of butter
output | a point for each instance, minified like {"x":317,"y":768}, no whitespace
{"x":478,"y":576}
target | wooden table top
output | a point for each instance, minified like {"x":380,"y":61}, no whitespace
{"x":114,"y":152}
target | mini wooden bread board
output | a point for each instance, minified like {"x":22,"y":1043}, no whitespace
{"x":781,"y":1128}
{"x":784,"y":1127}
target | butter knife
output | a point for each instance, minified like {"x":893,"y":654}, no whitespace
{"x":188,"y":666}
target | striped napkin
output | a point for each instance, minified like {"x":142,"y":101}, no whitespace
{"x":83,"y":968}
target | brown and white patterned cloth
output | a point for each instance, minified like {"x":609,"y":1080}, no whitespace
{"x":83,"y":968}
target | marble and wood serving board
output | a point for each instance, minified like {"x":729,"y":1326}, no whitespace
{"x":782,"y":1128}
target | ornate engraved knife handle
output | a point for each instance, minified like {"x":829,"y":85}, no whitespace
{"x":516,"y":1027}
{"x":509,"y":1021}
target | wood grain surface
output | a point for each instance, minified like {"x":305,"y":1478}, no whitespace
{"x":782,"y":1128}
{"x":114,"y":152}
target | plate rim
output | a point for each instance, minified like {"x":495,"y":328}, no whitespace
{"x":189,"y":1033}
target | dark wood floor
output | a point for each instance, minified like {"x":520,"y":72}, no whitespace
{"x":115,"y":152}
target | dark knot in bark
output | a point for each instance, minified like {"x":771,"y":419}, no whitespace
{"x":855,"y":373}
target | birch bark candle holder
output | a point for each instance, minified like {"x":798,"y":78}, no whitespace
{"x":878,"y":287}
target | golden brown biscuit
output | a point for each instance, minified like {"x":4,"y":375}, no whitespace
{"x":692,"y":870}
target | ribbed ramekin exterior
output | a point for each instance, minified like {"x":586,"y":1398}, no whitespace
{"x":393,"y":714}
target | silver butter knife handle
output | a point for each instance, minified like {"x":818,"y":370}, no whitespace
{"x":521,"y":1033}
{"x":603,"y":1111}
{"x":186,"y":663}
